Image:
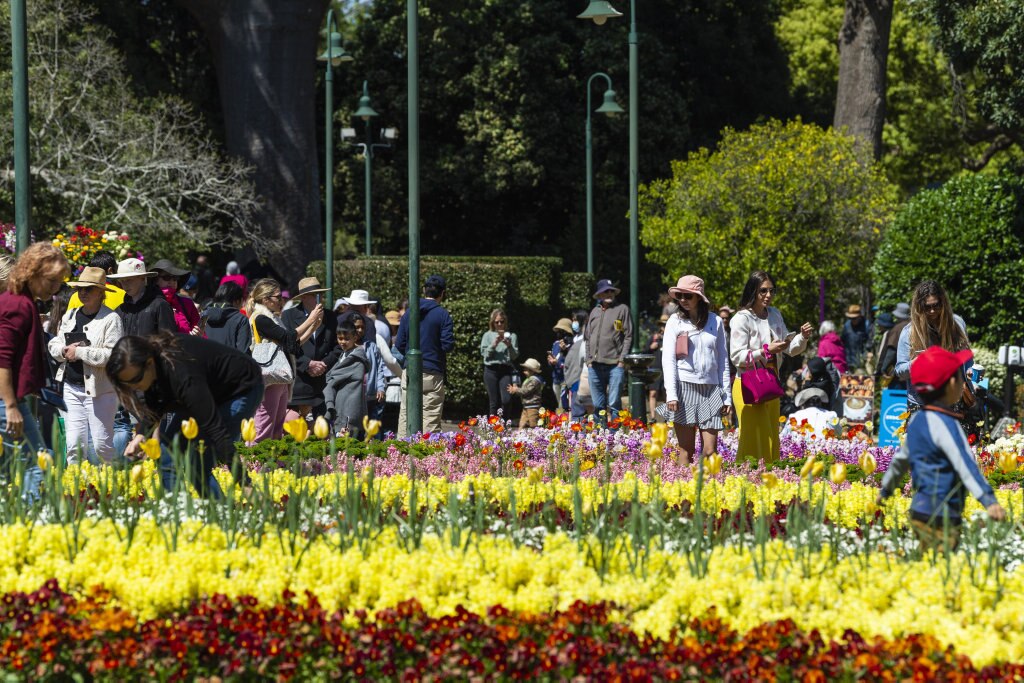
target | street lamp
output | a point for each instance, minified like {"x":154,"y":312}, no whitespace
{"x":413,"y":356}
{"x":333,"y":55}
{"x":22,"y":173}
{"x":366,"y":112}
{"x":600,"y":11}
{"x":610,"y":107}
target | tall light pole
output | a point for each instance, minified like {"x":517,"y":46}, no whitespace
{"x":413,"y":355}
{"x":600,"y":11}
{"x":333,"y":56}
{"x":22,"y":169}
{"x":609,"y":106}
{"x":366,"y":113}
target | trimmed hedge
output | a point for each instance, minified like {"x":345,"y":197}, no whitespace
{"x":534,"y":292}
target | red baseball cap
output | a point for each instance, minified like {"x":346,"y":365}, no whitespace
{"x":935,"y":366}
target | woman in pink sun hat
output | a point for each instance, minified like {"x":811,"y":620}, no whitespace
{"x":695,"y":363}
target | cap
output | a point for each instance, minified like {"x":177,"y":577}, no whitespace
{"x":436,"y":281}
{"x":933,"y":368}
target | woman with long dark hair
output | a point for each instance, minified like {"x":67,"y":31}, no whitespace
{"x":932,"y":323}
{"x":695,"y":364}
{"x":758,"y":335}
{"x":185,"y":376}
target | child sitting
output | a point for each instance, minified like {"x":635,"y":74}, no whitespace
{"x":345,"y":394}
{"x":937,"y":453}
{"x":529,"y":393}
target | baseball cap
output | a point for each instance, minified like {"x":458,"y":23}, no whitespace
{"x":933,"y":368}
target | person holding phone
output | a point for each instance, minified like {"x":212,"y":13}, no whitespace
{"x":82,"y":345}
{"x":695,"y":365}
{"x":758,"y":335}
{"x":317,"y":354}
{"x":499,"y":349}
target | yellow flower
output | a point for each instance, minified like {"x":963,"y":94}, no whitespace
{"x":151,"y":447}
{"x":652,"y":450}
{"x":659,"y":434}
{"x":867,"y":463}
{"x":808,"y":467}
{"x":321,"y":429}
{"x":782,"y":419}
{"x":769,"y":480}
{"x":586,"y":465}
{"x":189,"y":428}
{"x":818,"y":469}
{"x":249,"y":430}
{"x":536,"y":475}
{"x":371,"y":427}
{"x":837,"y":473}
{"x":137,"y":474}
{"x":44,"y":459}
{"x":713,"y":464}
{"x":297,"y":428}
{"x":1007,"y":461}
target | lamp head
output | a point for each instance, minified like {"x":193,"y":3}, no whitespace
{"x":609,"y":106}
{"x":600,"y":11}
{"x":335,"y":51}
{"x":365,"y":111}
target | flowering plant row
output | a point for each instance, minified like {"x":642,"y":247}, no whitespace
{"x":80,"y":243}
{"x":49,"y":632}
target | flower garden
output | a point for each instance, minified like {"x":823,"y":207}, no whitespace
{"x":560,"y":552}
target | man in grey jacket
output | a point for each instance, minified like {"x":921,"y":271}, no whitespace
{"x":608,"y":336}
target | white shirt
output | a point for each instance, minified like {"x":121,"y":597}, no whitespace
{"x":750,"y":333}
{"x":707,"y":361}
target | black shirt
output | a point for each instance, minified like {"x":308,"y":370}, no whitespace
{"x":74,"y":373}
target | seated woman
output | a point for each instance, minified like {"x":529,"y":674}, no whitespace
{"x":187,"y":377}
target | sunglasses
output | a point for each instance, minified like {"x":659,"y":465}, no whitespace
{"x":929,"y":308}
{"x":766,"y":290}
{"x":686,"y":296}
{"x":134,"y":380}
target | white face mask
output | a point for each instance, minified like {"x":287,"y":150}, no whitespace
{"x":607,"y":301}
{"x":575,"y":326}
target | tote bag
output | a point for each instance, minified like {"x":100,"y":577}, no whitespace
{"x":272,"y":359}
{"x":759,"y":385}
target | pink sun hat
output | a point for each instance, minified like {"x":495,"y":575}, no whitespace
{"x":689,"y":283}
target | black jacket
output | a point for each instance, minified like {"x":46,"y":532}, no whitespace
{"x":228,"y":326}
{"x":322,"y":346}
{"x":206,"y":375}
{"x":151,"y":313}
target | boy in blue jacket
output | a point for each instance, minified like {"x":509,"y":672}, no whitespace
{"x":938,"y":455}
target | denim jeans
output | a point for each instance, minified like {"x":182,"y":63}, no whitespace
{"x":122,"y":430}
{"x":25,"y":446}
{"x":231,"y":412}
{"x":375,"y":411}
{"x":606,"y":390}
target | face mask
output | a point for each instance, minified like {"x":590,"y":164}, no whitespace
{"x":168,"y":291}
{"x":608,"y":301}
{"x":575,"y":326}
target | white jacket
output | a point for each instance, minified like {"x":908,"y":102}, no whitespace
{"x":707,"y":361}
{"x":750,"y":333}
{"x":103,"y":331}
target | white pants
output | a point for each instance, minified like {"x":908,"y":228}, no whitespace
{"x":89,"y":416}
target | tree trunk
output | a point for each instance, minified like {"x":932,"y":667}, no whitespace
{"x":265,"y":56}
{"x":863,"y":52}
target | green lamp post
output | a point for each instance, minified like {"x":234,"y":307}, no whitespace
{"x":22,"y":173}
{"x":599,"y":11}
{"x":333,"y":55}
{"x":609,"y":107}
{"x":413,"y":355}
{"x":366,"y":113}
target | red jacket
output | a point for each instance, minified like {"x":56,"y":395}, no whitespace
{"x":21,"y":343}
{"x":831,"y":347}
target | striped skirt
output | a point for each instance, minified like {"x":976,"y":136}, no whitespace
{"x":699,"y":404}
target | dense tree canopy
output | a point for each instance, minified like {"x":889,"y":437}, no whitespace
{"x":789,"y":198}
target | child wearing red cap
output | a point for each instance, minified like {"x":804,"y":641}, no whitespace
{"x":937,"y":454}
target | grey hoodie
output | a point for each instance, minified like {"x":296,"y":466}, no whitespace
{"x":344,"y":394}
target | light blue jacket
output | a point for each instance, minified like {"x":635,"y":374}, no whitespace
{"x":903,"y":359}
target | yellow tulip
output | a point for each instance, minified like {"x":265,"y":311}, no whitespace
{"x":818,"y":469}
{"x":371,"y":427}
{"x":136,"y":475}
{"x":837,"y":473}
{"x":536,"y":475}
{"x":713,"y":464}
{"x":248,"y":430}
{"x":867,"y":463}
{"x":321,"y":429}
{"x":808,"y":467}
{"x":44,"y":460}
{"x":652,"y":450}
{"x":151,"y":447}
{"x":297,"y":428}
{"x":1007,"y":461}
{"x":189,"y":428}
{"x":659,"y":434}
{"x":769,"y":480}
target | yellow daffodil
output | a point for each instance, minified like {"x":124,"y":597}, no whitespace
{"x":867,"y":463}
{"x":151,"y":447}
{"x":248,"y":430}
{"x":321,"y":429}
{"x":44,"y":460}
{"x":808,"y":467}
{"x":837,"y":473}
{"x":371,"y":427}
{"x":297,"y":428}
{"x":713,"y":464}
{"x":189,"y":428}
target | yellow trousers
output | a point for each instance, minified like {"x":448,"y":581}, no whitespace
{"x":758,"y":427}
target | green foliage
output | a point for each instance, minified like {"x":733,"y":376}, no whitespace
{"x":286,"y":451}
{"x":789,"y":198}
{"x":530,"y":289}
{"x":969,"y":236}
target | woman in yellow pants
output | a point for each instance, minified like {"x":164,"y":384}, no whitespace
{"x":758,"y":334}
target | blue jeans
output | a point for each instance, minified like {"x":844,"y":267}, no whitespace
{"x":122,"y":430}
{"x":231,"y":412}
{"x":375,"y":411}
{"x":25,"y":446}
{"x":606,"y":390}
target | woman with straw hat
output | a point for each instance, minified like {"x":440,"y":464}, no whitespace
{"x":82,"y":346}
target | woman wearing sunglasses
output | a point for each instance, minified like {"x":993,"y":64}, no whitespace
{"x":932,"y":323}
{"x":695,"y":364}
{"x":758,"y":335}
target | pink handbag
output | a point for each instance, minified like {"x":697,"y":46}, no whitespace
{"x":759,"y":385}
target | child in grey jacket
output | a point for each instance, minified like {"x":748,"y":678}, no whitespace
{"x":345,"y":393}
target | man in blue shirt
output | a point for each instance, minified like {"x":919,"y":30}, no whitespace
{"x":437,"y":340}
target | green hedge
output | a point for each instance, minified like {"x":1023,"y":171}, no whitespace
{"x":534,"y":292}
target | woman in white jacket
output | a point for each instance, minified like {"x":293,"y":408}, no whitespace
{"x":82,"y":346}
{"x":758,"y":335}
{"x":695,"y":364}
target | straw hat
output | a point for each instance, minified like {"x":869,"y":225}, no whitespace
{"x":309,"y":285}
{"x":854,"y":311}
{"x":91,"y":277}
{"x":563,"y":325}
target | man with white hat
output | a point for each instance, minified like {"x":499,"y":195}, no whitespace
{"x":359,"y":300}
{"x":319,"y":353}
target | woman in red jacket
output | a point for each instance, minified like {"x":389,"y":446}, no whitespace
{"x":831,"y":346}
